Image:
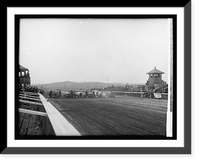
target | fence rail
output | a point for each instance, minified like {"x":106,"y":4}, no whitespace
{"x":60,"y":124}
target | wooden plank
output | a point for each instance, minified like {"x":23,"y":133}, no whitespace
{"x":60,"y":124}
{"x":28,"y":98}
{"x":30,"y":102}
{"x":164,"y":93}
{"x":33,"y":97}
{"x":123,"y":92}
{"x":27,"y":95}
{"x":30,"y":93}
{"x":32,"y":112}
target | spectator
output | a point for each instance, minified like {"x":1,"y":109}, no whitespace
{"x":59,"y":93}
{"x":151,"y":94}
{"x":86,"y":93}
{"x":50,"y":94}
{"x":36,"y":89}
{"x":72,"y":94}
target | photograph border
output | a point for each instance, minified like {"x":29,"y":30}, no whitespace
{"x":130,"y":150}
{"x":94,"y":17}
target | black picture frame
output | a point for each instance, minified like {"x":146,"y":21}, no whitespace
{"x":127,"y":150}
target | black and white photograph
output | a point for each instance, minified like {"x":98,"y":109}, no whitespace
{"x":98,"y":80}
{"x":96,"y":77}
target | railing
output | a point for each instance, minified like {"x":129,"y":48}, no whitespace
{"x":60,"y":124}
{"x":135,"y":94}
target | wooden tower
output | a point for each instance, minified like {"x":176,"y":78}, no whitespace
{"x":155,"y":79}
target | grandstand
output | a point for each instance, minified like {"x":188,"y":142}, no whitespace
{"x":33,"y":117}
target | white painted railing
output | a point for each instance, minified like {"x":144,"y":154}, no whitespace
{"x":60,"y":124}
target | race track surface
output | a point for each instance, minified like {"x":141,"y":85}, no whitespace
{"x":122,"y":115}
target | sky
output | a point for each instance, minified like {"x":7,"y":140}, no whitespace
{"x":99,"y":50}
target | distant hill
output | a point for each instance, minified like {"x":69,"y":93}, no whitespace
{"x":68,"y":85}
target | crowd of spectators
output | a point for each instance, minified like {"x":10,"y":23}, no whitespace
{"x":30,"y":89}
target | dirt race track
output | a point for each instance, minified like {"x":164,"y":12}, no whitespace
{"x":122,"y":115}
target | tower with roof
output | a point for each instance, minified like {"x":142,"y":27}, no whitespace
{"x":155,"y":79}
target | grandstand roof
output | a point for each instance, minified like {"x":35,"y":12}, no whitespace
{"x":155,"y":71}
{"x":23,"y":68}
